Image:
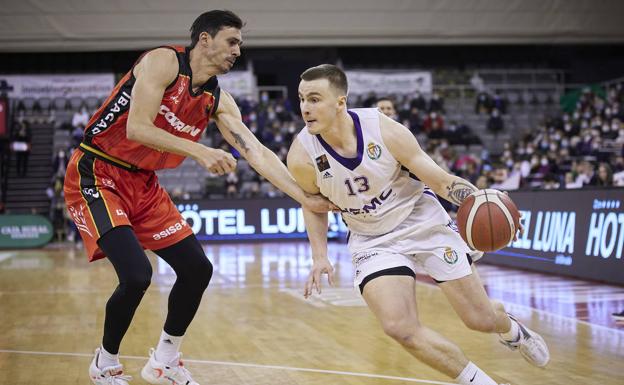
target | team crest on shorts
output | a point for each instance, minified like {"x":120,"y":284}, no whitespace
{"x":450,"y":256}
{"x":373,"y":151}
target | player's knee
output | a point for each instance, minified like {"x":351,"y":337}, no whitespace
{"x":203,"y":270}
{"x":139,"y":280}
{"x":401,"y":330}
{"x":481,"y":321}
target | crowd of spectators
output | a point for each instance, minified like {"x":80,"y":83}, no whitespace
{"x":582,"y":147}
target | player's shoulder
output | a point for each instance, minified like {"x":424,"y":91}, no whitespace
{"x":161,"y":55}
{"x":366,"y":112}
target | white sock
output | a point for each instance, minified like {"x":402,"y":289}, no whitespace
{"x":168,"y":347}
{"x":106,"y":359}
{"x":513,"y":334}
{"x":472,"y":375}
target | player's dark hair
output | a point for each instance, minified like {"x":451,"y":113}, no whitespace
{"x":336,"y":77}
{"x":212,"y":22}
{"x":381,"y":99}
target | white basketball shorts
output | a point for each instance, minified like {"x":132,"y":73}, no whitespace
{"x":427,"y":238}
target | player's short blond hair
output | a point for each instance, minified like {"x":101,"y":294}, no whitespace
{"x":336,"y":77}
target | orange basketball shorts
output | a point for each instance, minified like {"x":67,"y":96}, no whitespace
{"x":101,"y":196}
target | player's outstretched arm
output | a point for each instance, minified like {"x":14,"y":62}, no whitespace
{"x":154,"y":72}
{"x":263,"y":160}
{"x":405,"y":148}
{"x":301,"y":167}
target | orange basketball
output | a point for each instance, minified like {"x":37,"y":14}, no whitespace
{"x":488,"y":220}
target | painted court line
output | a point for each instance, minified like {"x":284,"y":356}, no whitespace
{"x":5,"y":256}
{"x":550,"y":314}
{"x":246,"y":365}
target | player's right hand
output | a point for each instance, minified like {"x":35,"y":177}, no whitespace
{"x":216,"y":161}
{"x":320,"y":267}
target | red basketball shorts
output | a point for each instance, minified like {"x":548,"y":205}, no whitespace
{"x":101,"y":196}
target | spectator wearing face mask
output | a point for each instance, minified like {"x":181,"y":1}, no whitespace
{"x":495,"y":123}
{"x":21,"y":145}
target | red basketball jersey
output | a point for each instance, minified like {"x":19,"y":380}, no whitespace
{"x":182,"y":112}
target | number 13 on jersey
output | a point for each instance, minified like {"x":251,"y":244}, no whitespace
{"x":361,"y":185}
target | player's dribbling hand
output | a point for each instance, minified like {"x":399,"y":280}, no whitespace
{"x":320,"y":267}
{"x":319,"y":204}
{"x":215,"y":160}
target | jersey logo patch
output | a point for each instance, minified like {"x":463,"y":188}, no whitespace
{"x":327,"y":175}
{"x":322,"y":163}
{"x":373,"y":151}
{"x":450,"y":256}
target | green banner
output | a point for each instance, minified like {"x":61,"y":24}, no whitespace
{"x":24,"y":231}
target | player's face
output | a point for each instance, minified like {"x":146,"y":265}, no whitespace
{"x":319,"y":104}
{"x":386,"y":108}
{"x":225,"y":48}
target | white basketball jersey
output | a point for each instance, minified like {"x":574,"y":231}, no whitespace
{"x":373,"y":191}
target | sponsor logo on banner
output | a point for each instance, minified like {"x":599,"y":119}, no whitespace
{"x":60,"y":86}
{"x":24,"y":231}
{"x":384,"y":82}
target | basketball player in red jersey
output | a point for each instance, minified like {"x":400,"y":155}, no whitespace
{"x":151,"y":121}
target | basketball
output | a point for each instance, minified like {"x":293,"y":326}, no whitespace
{"x":488,"y":220}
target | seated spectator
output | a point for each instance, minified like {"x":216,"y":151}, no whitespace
{"x":499,"y":103}
{"x":77,"y":135}
{"x":80,"y":118}
{"x":418,"y":102}
{"x":415,"y":123}
{"x":386,"y":106}
{"x":484,"y":103}
{"x":433,"y":122}
{"x":495,"y":123}
{"x":231,"y":185}
{"x":21,"y":146}
{"x":436,"y":104}
{"x":604,"y":176}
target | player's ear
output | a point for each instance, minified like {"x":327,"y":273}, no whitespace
{"x":205,"y":38}
{"x":342,"y":101}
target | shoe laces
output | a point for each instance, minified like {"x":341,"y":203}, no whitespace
{"x":115,"y":373}
{"x":531,"y":344}
{"x":179,"y":369}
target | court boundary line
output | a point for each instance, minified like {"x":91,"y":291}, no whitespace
{"x":245,"y":365}
{"x":591,"y":325}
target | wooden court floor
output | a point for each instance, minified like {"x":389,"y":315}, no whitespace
{"x":254,"y":327}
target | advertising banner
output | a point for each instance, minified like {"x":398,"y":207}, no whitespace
{"x":363,"y":82}
{"x":254,"y":219}
{"x":571,"y":232}
{"x":239,"y":83}
{"x":54,"y":86}
{"x":24,"y":231}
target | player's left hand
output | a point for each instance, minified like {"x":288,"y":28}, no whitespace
{"x":319,"y":204}
{"x":319,"y":267}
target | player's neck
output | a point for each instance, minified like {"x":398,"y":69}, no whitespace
{"x":341,"y":135}
{"x":201,"y":68}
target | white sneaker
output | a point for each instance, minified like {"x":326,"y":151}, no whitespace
{"x":531,"y":345}
{"x":174,"y":373}
{"x":110,"y":375}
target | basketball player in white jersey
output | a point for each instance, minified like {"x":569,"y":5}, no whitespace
{"x":374,"y":170}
